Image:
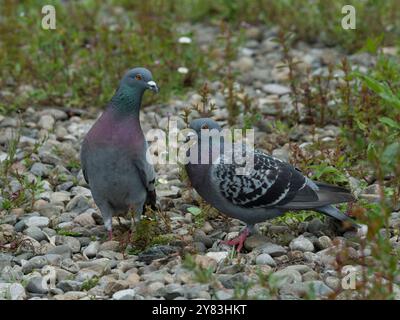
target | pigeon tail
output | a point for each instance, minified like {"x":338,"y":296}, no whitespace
{"x":336,"y":213}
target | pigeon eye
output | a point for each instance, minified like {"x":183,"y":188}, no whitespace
{"x":204,"y":126}
{"x":138,"y":77}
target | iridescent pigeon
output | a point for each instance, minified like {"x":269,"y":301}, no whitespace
{"x":271,"y":187}
{"x":113,"y":153}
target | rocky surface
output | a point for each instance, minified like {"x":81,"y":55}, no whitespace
{"x":55,"y":247}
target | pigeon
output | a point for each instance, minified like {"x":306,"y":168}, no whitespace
{"x":113,"y":153}
{"x":270,"y":188}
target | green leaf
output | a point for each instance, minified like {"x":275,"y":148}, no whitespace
{"x":389,"y":122}
{"x":391,"y":153}
{"x":194,"y":210}
{"x":381,"y":89}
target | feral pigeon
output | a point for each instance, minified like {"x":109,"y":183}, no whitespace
{"x":113,"y":153}
{"x":269,"y":189}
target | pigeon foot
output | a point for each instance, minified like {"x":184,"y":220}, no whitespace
{"x":110,"y":235}
{"x":239,"y":240}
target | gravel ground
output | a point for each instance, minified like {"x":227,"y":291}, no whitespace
{"x":56,"y":248}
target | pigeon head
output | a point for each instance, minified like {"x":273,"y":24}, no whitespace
{"x":139,"y":79}
{"x":128,"y":97}
{"x":208,"y":140}
{"x":204,"y":124}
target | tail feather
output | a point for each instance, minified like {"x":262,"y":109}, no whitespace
{"x":336,"y":213}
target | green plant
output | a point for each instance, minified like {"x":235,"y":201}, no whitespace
{"x":90,"y":283}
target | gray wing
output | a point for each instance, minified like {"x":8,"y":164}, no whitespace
{"x":147,"y":176}
{"x":272,"y":183}
{"x":83,"y":156}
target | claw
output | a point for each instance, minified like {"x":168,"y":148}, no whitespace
{"x":239,"y":240}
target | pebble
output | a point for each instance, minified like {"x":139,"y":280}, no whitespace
{"x":63,"y":250}
{"x":39,"y":222}
{"x":273,"y":88}
{"x":218,"y":256}
{"x":12,"y":291}
{"x":127,"y":294}
{"x":285,"y":276}
{"x":265,"y":258}
{"x":69,"y":285}
{"x":91,"y":250}
{"x":85,"y":219}
{"x":301,"y":243}
{"x":46,"y":122}
{"x":255,"y":241}
{"x":35,"y":233}
{"x":37,"y":262}
{"x":274,"y":250}
{"x":37,"y":285}
{"x":324,"y":242}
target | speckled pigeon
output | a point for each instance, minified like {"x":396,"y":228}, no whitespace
{"x":113,"y":153}
{"x":270,"y":188}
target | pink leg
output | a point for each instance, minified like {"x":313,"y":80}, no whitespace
{"x":239,"y":240}
{"x":110,"y":235}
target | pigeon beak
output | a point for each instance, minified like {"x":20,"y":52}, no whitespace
{"x":152,"y":86}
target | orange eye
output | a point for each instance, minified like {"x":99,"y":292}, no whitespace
{"x":204,"y":126}
{"x":138,"y":77}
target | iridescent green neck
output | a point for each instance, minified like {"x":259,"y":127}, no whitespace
{"x":127,"y":100}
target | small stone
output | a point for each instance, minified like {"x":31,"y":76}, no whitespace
{"x":244,"y":64}
{"x":205,"y":262}
{"x":154,"y":287}
{"x":91,"y":250}
{"x":40,"y":169}
{"x":332,"y":282}
{"x":173,"y":290}
{"x":226,"y":294}
{"x":35,"y":233}
{"x":200,"y":236}
{"x":255,"y":241}
{"x":37,"y":262}
{"x":85,"y":219}
{"x":114,"y":286}
{"x":307,"y":288}
{"x":315,"y":226}
{"x":302,"y":244}
{"x":46,"y":122}
{"x":37,"y":285}
{"x":207,"y":227}
{"x":39,"y":222}
{"x":265,"y":258}
{"x":285,"y":276}
{"x":69,"y":285}
{"x":63,"y":250}
{"x":109,"y":245}
{"x":73,"y":243}
{"x":218,"y":256}
{"x":157,"y":252}
{"x":273,"y":88}
{"x":12,"y":291}
{"x":310,"y":275}
{"x":133,"y":279}
{"x":60,"y":197}
{"x":78,"y":204}
{"x":324,"y":242}
{"x":86,"y":275}
{"x":272,"y":249}
{"x":127,"y":294}
{"x":281,"y":153}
